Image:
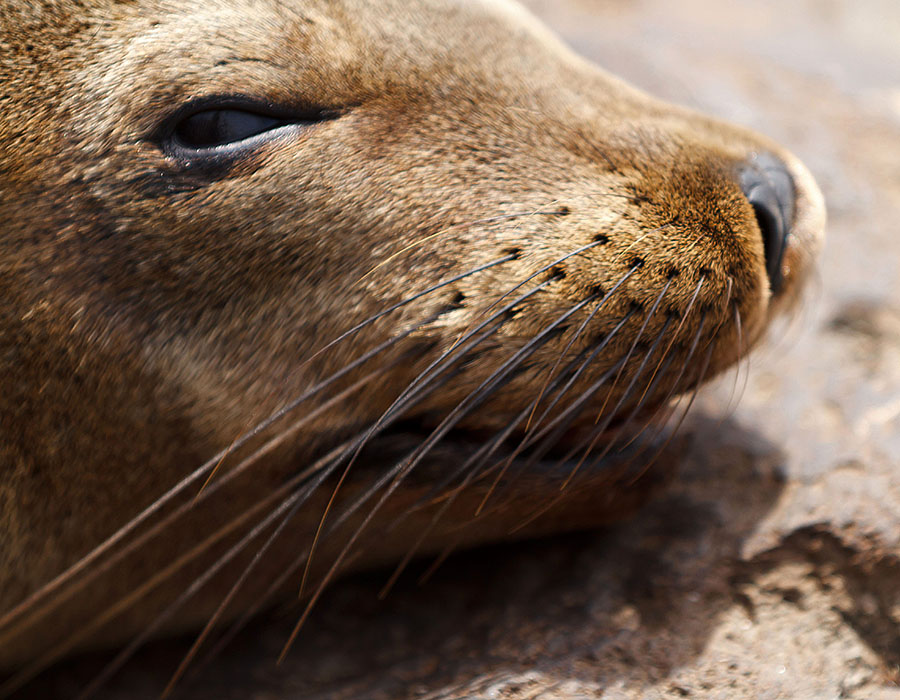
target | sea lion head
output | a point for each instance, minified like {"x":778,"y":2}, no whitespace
{"x":430,"y":214}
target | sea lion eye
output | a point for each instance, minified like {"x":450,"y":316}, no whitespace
{"x":218,"y":127}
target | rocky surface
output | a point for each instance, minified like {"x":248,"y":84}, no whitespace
{"x":771,"y":567}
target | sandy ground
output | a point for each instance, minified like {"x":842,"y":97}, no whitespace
{"x":771,"y":568}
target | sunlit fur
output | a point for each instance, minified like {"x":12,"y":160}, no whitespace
{"x":156,"y":313}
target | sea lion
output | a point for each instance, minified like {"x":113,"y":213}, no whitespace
{"x":294,"y":286}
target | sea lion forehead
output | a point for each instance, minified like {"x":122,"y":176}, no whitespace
{"x":149,"y":56}
{"x":396,"y":27}
{"x":341,"y":39}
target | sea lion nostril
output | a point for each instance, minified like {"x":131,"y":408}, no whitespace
{"x":769,"y":188}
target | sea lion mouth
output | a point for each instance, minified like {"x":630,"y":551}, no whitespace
{"x":463,"y":492}
{"x":472,"y":457}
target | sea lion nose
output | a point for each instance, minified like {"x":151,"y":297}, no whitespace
{"x":769,"y":188}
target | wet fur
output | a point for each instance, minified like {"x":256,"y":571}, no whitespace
{"x":155,"y":311}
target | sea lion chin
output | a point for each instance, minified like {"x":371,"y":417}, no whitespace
{"x":292,"y":287}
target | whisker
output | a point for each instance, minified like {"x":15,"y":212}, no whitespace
{"x":681,"y":372}
{"x":48,"y":589}
{"x":626,"y":394}
{"x":574,"y":378}
{"x":578,"y":334}
{"x":684,"y":414}
{"x":471,"y":468}
{"x":539,"y":512}
{"x":640,"y":240}
{"x":601,"y":429}
{"x":637,"y":339}
{"x":15,"y":625}
{"x":207,"y":629}
{"x":292,"y":504}
{"x":277,"y":584}
{"x":563,"y":490}
{"x":550,"y":433}
{"x":599,"y":348}
{"x":451,"y":356}
{"x":448,"y":229}
{"x":661,"y":369}
{"x":412,"y":394}
{"x":113,"y":667}
{"x":677,"y":332}
{"x":486,"y":389}
{"x":440,"y":559}
{"x":742,"y":359}
{"x":381,"y":314}
{"x":252,"y":565}
{"x":542,"y":270}
{"x":713,"y":337}
{"x":481,"y":457}
{"x":60,"y":650}
{"x":673,"y":385}
{"x":480,"y":394}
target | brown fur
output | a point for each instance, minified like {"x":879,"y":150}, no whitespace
{"x":153,"y":312}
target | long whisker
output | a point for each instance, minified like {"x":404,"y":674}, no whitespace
{"x":619,"y":368}
{"x":676,"y":383}
{"x":742,"y":358}
{"x":602,"y":427}
{"x":578,"y":333}
{"x":211,"y":623}
{"x":544,"y":269}
{"x":123,"y":604}
{"x":339,"y":455}
{"x":489,"y":386}
{"x":484,"y":453}
{"x":516,"y":302}
{"x":14,"y":621}
{"x":634,"y":344}
{"x":674,"y":338}
{"x":48,"y":589}
{"x":440,"y":559}
{"x":129,"y":651}
{"x":414,"y":393}
{"x":471,"y":468}
{"x":381,"y":314}
{"x":702,"y":375}
{"x":698,"y":334}
{"x":662,"y":368}
{"x":526,"y":441}
{"x":257,"y":558}
{"x":480,"y":394}
{"x":551,"y":432}
{"x":292,"y":504}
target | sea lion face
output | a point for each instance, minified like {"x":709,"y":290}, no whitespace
{"x":213,"y":209}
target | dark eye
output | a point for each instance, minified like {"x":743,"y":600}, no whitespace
{"x":218,"y":127}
